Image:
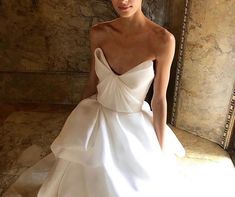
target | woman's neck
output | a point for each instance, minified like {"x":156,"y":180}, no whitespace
{"x":132,"y":24}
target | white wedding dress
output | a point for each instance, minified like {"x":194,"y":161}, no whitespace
{"x":108,"y":146}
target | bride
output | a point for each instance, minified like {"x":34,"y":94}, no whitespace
{"x":113,"y":144}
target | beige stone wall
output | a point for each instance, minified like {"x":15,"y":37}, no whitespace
{"x":208,"y":74}
{"x":44,"y":46}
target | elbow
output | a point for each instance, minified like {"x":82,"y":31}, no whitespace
{"x":158,"y":102}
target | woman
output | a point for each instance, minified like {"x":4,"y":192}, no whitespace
{"x":111,"y":144}
{"x":128,"y":41}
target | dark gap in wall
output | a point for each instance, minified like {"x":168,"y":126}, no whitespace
{"x":231,"y":147}
{"x":35,"y":3}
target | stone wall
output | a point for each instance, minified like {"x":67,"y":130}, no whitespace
{"x":208,"y":71}
{"x":44,"y":46}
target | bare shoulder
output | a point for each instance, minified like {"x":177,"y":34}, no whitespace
{"x":101,"y":29}
{"x":96,"y":35}
{"x":100,"y":26}
{"x":161,"y":36}
{"x":161,"y":39}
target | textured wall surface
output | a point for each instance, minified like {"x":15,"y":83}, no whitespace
{"x":209,"y":69}
{"x":44,"y":46}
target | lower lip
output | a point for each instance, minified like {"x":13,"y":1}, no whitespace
{"x":124,"y":9}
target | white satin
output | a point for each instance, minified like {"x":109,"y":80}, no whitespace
{"x":108,"y":146}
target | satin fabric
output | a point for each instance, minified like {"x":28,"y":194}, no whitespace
{"x":108,"y":146}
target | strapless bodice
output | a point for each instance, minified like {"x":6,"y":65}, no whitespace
{"x":125,"y":92}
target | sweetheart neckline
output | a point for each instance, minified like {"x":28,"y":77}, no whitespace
{"x":140,"y":64}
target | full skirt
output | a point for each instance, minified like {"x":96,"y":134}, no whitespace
{"x":104,"y":153}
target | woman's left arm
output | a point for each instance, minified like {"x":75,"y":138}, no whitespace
{"x":164,"y":59}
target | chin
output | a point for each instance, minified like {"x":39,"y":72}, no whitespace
{"x":125,"y":15}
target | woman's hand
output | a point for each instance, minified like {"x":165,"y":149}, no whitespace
{"x":162,"y":139}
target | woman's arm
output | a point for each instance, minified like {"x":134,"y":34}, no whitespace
{"x":92,"y":81}
{"x":159,"y":103}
